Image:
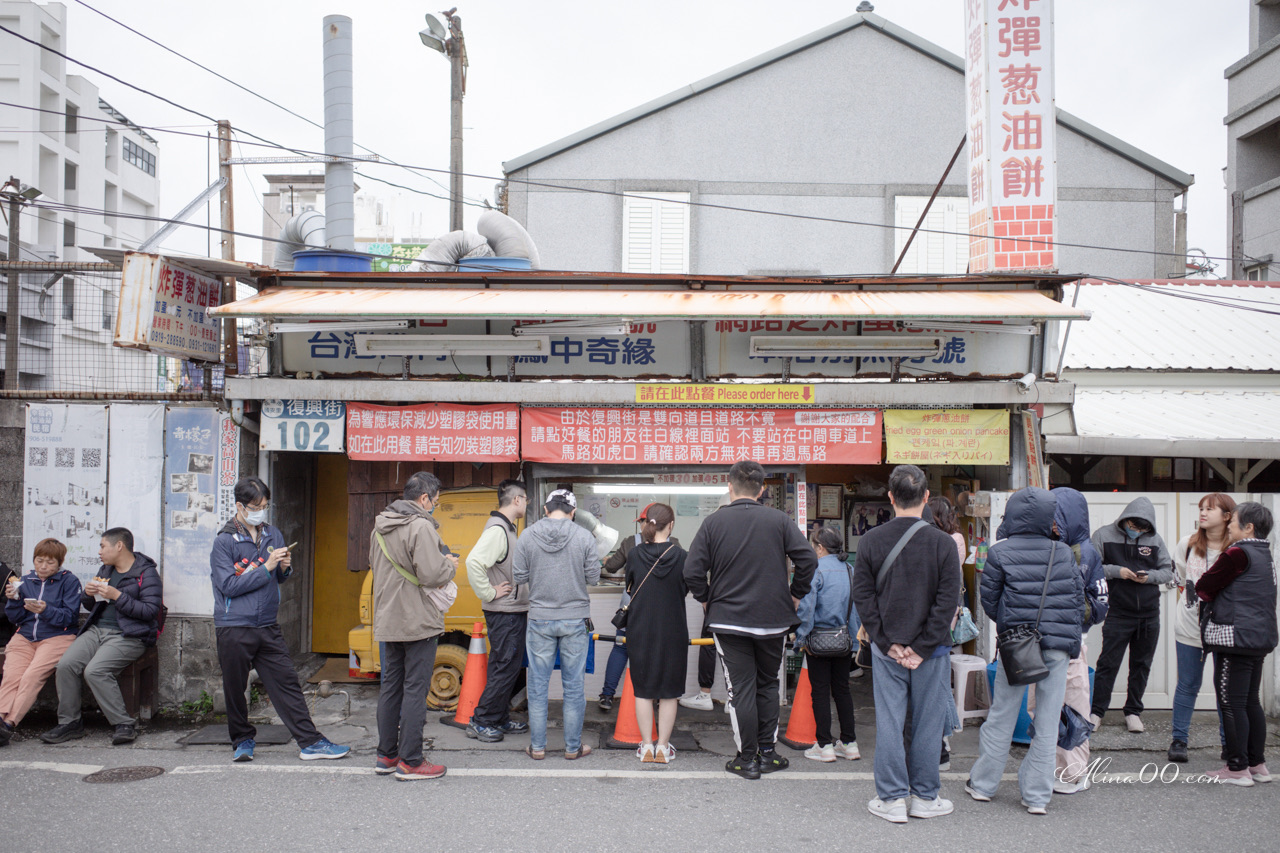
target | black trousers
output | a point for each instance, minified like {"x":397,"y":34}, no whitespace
{"x":1122,"y":633}
{"x":1237,"y":680}
{"x":402,"y":700}
{"x":506,"y":660}
{"x":828,"y":679}
{"x":242,"y":649}
{"x":751,"y":677}
{"x":706,"y":661}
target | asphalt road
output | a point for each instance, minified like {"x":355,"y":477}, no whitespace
{"x":604,"y":802}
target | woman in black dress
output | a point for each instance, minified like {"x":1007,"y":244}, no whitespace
{"x":657,"y":634}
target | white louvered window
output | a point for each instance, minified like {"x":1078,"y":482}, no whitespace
{"x":655,"y":232}
{"x":942,"y":245}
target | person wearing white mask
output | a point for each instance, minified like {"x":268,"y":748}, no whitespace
{"x":248,"y":563}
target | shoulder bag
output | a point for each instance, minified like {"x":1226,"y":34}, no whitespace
{"x":863,"y":657}
{"x":619,"y":619}
{"x":833,"y":642}
{"x":1019,"y":646}
{"x":442,"y":597}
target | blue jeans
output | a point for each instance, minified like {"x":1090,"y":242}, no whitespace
{"x":1035,"y":776}
{"x":615,"y":667}
{"x":899,"y":691}
{"x":542,"y":640}
{"x":1191,"y":661}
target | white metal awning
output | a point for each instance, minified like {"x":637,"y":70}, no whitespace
{"x":1230,"y":423}
{"x":303,"y":303}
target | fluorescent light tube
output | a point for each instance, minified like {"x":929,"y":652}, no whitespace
{"x":887,"y":346}
{"x":340,"y":325}
{"x":611,"y":328}
{"x":450,"y":345}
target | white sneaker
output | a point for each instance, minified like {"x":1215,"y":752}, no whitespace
{"x":1095,"y":721}
{"x":848,"y":750}
{"x":1134,"y":722}
{"x":645,"y":753}
{"x":930,"y":808}
{"x":1061,"y":787}
{"x":973,"y":792}
{"x":697,"y":701}
{"x":1041,"y":810}
{"x":857,"y":672}
{"x":894,"y":811}
{"x":821,"y":753}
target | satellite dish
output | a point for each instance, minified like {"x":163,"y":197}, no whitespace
{"x":437,"y":29}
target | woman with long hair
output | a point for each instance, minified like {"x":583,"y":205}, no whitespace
{"x":1192,"y":557}
{"x":943,"y":516}
{"x":827,"y":606}
{"x":657,"y":634}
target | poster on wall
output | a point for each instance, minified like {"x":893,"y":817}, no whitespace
{"x":135,"y":470}
{"x":192,"y":515}
{"x":65,"y":482}
{"x":947,"y":436}
{"x":434,"y":431}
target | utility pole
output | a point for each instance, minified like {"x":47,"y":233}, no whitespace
{"x":230,"y":349}
{"x":13,"y":308}
{"x":456,"y":50}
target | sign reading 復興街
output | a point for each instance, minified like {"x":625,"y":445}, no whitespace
{"x":164,"y":309}
{"x":946,"y":436}
{"x":304,"y":425}
{"x":434,"y":431}
{"x":700,"y":436}
{"x":724,"y":395}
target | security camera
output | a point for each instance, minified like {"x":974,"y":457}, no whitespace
{"x":1026,"y":382}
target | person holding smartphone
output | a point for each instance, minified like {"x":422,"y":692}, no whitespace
{"x":248,"y":563}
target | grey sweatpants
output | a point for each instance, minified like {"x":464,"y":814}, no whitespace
{"x":99,"y":654}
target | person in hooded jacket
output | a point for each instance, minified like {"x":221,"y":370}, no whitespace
{"x":1137,"y":563}
{"x":657,"y":632}
{"x":1021,"y":571}
{"x":248,"y":563}
{"x":1071,"y":523}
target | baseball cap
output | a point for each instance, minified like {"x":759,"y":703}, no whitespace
{"x":561,"y":499}
{"x":644,"y":513}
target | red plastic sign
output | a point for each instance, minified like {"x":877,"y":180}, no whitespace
{"x":434,"y":431}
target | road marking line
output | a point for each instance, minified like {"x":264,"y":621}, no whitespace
{"x":56,"y":767}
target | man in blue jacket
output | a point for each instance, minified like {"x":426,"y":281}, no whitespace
{"x":248,"y":563}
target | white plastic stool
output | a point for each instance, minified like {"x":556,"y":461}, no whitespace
{"x":963,"y":666}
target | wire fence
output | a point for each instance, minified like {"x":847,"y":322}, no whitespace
{"x":66,"y":333}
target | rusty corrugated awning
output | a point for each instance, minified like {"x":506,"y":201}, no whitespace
{"x":280,"y":303}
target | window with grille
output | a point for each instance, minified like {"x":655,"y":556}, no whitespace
{"x":655,"y":232}
{"x":68,"y":298}
{"x":138,"y":156}
{"x":68,"y":233}
{"x":108,"y":311}
{"x":941,"y":247}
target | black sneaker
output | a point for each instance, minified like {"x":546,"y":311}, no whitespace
{"x":124,"y":733}
{"x":771,"y":762}
{"x":483,"y":733}
{"x":514,"y":727}
{"x":64,"y":732}
{"x":1178,"y":751}
{"x":605,"y":704}
{"x":6,"y":733}
{"x":747,"y":768}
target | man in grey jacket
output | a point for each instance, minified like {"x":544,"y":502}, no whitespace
{"x":558,"y":560}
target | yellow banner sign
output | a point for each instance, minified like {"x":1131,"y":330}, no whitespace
{"x":724,"y":395}
{"x":947,"y":436}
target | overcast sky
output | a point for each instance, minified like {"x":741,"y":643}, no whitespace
{"x":1147,"y":71}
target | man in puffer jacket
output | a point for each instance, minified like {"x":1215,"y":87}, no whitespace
{"x":1071,"y":522}
{"x":1013,"y":585}
{"x":1137,"y":563}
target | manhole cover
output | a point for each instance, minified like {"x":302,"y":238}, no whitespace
{"x":123,"y":774}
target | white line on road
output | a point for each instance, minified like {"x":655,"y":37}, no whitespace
{"x":56,"y":767}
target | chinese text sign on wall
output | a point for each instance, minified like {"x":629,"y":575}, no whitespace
{"x":434,"y":431}
{"x":164,"y":308}
{"x":700,"y":437}
{"x":1011,"y":126}
{"x":946,"y":436}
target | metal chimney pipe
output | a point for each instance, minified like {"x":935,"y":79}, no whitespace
{"x":339,"y":178}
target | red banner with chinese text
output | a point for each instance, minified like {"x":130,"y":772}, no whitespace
{"x":434,"y":431}
{"x":656,"y":436}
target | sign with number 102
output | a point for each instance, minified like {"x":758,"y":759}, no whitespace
{"x":314,"y":426}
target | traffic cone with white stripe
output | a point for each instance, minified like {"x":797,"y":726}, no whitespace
{"x":474,"y":679}
{"x":626,"y":733}
{"x":802,"y":728}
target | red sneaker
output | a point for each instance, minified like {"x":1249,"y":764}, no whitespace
{"x":385,"y":766}
{"x":425,"y":770}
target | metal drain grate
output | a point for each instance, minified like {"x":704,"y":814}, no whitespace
{"x":123,"y":774}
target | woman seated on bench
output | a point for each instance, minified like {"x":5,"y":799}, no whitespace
{"x":45,"y":606}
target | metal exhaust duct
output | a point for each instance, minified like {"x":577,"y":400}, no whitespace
{"x":339,"y":133}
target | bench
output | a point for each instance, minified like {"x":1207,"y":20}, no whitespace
{"x":139,"y":683}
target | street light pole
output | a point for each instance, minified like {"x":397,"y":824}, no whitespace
{"x":14,"y":304}
{"x":456,"y":50}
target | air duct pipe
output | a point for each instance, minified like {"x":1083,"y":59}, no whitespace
{"x":339,"y":134}
{"x":304,"y":231}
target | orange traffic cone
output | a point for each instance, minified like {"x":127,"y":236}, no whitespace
{"x":626,"y":734}
{"x":474,"y":677}
{"x":802,"y":729}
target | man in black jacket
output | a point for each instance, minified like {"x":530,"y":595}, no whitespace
{"x":737,"y":568}
{"x":907,"y":612}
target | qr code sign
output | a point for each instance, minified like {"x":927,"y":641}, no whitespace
{"x":64,"y":457}
{"x":38,"y":457}
{"x":91,"y":457}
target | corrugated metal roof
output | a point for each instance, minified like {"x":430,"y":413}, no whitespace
{"x":1166,"y":325}
{"x":455,"y":303}
{"x":1233,"y":423}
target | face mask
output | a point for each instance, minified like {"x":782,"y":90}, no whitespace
{"x":255,"y":517}
{"x":1133,"y":534}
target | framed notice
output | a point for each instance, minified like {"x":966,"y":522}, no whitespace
{"x":829,"y":499}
